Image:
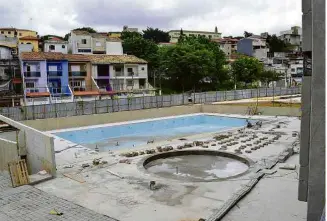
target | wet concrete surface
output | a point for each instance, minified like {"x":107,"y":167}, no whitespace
{"x":196,"y":167}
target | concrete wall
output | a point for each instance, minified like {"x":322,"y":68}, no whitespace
{"x":114,"y":48}
{"x":268,"y":111}
{"x":58,"y":47}
{"x":39,"y":147}
{"x":8,"y":152}
{"x":88,"y":120}
{"x":5,"y":53}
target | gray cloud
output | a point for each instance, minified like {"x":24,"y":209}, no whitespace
{"x":231,"y":17}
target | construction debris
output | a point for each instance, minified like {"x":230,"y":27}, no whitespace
{"x":285,"y":166}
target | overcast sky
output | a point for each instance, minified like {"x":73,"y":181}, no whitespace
{"x":232,"y":17}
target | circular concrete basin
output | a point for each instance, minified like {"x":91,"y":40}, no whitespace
{"x":197,"y":165}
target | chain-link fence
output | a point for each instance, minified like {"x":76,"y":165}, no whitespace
{"x":137,"y":103}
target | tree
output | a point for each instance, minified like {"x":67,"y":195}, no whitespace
{"x":268,"y":76}
{"x":130,"y":34}
{"x":156,"y":35}
{"x":206,"y":71}
{"x":277,"y":45}
{"x":134,"y":44}
{"x":246,"y":69}
{"x":247,"y":34}
{"x":187,"y":66}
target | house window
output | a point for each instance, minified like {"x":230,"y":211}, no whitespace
{"x":2,"y":32}
{"x":9,"y":32}
{"x":84,"y":50}
{"x":76,"y":83}
{"x":63,"y":46}
{"x":28,"y":43}
{"x":142,"y":68}
{"x":129,"y":69}
{"x":118,"y":69}
{"x":20,"y":34}
{"x":293,"y":70}
{"x":30,"y":84}
{"x":130,"y":83}
{"x":83,"y":41}
{"x":98,"y":44}
{"x":52,"y":47}
{"x":210,"y":36}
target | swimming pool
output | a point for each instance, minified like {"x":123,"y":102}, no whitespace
{"x":131,"y":134}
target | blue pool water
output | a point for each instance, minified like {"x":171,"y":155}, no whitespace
{"x":134,"y":134}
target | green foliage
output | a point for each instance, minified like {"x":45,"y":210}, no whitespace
{"x":156,"y":35}
{"x":247,"y":34}
{"x":129,"y":34}
{"x":277,"y":45}
{"x":268,"y":76}
{"x":247,"y":69}
{"x":193,"y":62}
{"x":134,"y":44}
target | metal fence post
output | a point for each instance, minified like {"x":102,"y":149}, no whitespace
{"x":170,"y":100}
{"x":95,"y":105}
{"x":143,"y":102}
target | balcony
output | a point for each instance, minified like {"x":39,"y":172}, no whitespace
{"x":32,"y":74}
{"x":54,"y":73}
{"x":77,"y":74}
{"x":132,"y":74}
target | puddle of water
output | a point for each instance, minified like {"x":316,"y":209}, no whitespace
{"x":196,"y":167}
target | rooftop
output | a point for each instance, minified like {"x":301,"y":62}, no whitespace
{"x":37,"y":56}
{"x":115,"y":59}
{"x":97,"y":59}
{"x":28,"y":38}
{"x":208,"y":32}
{"x":17,"y":29}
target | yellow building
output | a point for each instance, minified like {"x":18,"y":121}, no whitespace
{"x":114,"y":34}
{"x":30,"y":40}
{"x":19,"y":33}
{"x":24,"y":36}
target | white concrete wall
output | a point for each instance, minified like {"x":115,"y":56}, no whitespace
{"x":5,"y":53}
{"x":75,"y":43}
{"x":58,"y":47}
{"x":114,"y":48}
{"x":38,"y":145}
{"x":88,"y":120}
{"x":260,"y":54}
{"x":143,"y":73}
{"x":8,"y":153}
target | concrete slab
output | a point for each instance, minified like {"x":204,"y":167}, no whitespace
{"x":130,"y":199}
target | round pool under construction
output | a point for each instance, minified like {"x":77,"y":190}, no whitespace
{"x":197,"y":165}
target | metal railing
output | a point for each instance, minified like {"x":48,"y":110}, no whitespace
{"x":62,"y":107}
{"x":77,"y":74}
{"x":32,"y":74}
{"x":54,"y":73}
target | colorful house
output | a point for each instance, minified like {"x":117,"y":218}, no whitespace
{"x":50,"y":77}
{"x":80,"y":76}
{"x":45,"y":78}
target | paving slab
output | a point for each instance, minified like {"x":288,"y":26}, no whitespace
{"x":29,"y":203}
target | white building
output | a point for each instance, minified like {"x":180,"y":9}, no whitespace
{"x":175,"y":34}
{"x":293,"y":37}
{"x":83,"y":42}
{"x":55,"y":45}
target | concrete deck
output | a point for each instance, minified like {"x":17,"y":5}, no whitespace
{"x":130,"y":199}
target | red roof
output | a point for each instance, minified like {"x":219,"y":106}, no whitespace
{"x":55,"y":39}
{"x":28,"y":38}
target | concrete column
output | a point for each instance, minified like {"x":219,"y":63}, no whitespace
{"x":306,"y":103}
{"x":316,"y":181}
